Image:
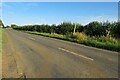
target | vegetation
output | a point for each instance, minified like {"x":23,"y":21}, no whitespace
{"x":0,"y":40}
{"x":1,"y":24}
{"x":104,"y":35}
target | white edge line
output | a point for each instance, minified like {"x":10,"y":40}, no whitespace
{"x":75,"y":54}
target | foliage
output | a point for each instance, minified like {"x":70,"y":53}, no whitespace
{"x":1,"y":23}
{"x":14,"y":26}
{"x":96,"y":29}
{"x":105,"y":39}
{"x":63,"y":28}
{"x":80,"y":36}
{"x":115,"y":30}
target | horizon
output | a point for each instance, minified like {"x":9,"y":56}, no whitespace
{"x":29,"y":13}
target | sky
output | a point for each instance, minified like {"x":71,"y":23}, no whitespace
{"x":27,"y":13}
{"x":60,"y":0}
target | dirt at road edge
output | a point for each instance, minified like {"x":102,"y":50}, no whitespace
{"x":9,"y":63}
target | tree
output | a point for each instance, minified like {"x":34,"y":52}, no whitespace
{"x":115,"y":29}
{"x":1,"y":24}
{"x":65,"y":28}
{"x":79,"y":28}
{"x":14,"y":25}
{"x":106,"y":26}
{"x":94,"y":29}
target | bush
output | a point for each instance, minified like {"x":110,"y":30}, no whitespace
{"x":105,"y":39}
{"x":103,"y":45}
{"x":80,"y":36}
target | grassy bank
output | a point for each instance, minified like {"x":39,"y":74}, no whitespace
{"x":0,"y":40}
{"x":0,"y":53}
{"x":102,"y":42}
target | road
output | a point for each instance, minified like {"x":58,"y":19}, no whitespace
{"x":33,"y":56}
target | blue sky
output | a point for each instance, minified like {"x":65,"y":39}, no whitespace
{"x":23,"y":13}
{"x":60,"y":0}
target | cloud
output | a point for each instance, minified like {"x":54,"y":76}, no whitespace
{"x":86,"y":19}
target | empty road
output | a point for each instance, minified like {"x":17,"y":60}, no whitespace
{"x":33,"y":56}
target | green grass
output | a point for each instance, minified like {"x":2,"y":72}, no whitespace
{"x":0,"y":40}
{"x":103,"y":45}
{"x":102,"y":42}
{"x":53,"y":35}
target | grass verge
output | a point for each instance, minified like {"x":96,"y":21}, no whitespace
{"x":0,"y":53}
{"x":98,"y":42}
{"x":0,"y":40}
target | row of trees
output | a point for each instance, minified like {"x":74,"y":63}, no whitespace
{"x":94,"y":28}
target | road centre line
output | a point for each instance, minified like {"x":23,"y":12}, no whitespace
{"x":75,"y":54}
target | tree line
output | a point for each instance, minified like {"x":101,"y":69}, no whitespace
{"x":94,"y":28}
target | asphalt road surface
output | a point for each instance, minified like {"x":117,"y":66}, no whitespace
{"x":33,"y":56}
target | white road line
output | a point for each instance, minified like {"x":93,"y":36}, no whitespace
{"x":31,"y":38}
{"x":76,"y":54}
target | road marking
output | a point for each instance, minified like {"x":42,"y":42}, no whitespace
{"x":31,"y":38}
{"x":76,"y":54}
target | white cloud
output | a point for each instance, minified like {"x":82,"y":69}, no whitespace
{"x":85,"y":20}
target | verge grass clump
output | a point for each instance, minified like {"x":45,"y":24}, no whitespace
{"x":80,"y":36}
{"x":106,"y":39}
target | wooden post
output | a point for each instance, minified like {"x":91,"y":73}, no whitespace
{"x":74,"y":29}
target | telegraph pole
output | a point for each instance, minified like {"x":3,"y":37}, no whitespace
{"x":74,"y":28}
